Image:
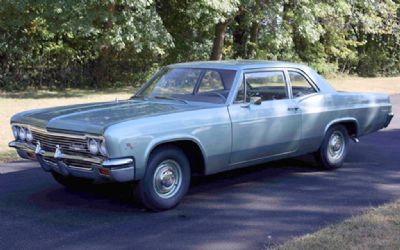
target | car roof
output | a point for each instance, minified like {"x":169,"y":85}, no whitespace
{"x":238,"y":64}
{"x":322,"y":84}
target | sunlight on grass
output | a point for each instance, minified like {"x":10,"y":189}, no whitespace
{"x":8,"y":155}
{"x":378,"y":228}
{"x":388,"y":85}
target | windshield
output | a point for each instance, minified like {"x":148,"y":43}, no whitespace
{"x":189,"y":84}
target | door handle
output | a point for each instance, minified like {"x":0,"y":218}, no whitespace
{"x":295,"y":108}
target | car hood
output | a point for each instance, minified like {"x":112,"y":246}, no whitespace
{"x":94,"y":118}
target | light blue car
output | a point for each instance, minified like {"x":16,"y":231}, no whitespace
{"x":198,"y":118}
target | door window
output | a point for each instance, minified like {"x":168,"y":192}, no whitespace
{"x":300,"y":85}
{"x":268,"y":85}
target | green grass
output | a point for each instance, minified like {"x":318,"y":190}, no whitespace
{"x":378,"y":228}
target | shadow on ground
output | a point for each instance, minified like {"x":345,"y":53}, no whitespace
{"x":239,"y":209}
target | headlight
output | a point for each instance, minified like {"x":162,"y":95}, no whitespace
{"x":103,"y":149}
{"x":22,"y":134}
{"x":15,"y":130}
{"x":93,"y":146}
{"x":29,"y":136}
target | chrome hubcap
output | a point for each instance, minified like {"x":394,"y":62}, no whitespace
{"x":167,"y":179}
{"x":336,"y":146}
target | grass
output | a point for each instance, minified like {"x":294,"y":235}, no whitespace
{"x":8,"y":155}
{"x":11,"y":103}
{"x":378,"y":228}
{"x":388,"y":85}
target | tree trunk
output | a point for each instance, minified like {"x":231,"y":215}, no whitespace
{"x":253,"y":39}
{"x":240,"y":35}
{"x":219,"y":38}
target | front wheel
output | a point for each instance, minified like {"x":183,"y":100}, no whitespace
{"x":166,"y":180}
{"x":334,"y":148}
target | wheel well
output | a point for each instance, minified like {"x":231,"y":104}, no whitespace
{"x":192,"y":152}
{"x":351,"y":127}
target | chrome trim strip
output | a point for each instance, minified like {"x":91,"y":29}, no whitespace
{"x":41,"y":130}
{"x":117,"y":162}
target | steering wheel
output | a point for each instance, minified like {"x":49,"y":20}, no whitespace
{"x":217,"y":94}
{"x":299,"y":94}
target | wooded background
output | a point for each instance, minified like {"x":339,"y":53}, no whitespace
{"x":113,"y":43}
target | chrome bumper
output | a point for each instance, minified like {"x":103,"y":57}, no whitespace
{"x":120,"y":170}
{"x":388,"y":119}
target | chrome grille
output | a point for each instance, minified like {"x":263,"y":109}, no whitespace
{"x":49,"y":141}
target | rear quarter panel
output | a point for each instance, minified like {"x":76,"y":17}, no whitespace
{"x":320,"y":111}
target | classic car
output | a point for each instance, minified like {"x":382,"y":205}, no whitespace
{"x":199,"y":118}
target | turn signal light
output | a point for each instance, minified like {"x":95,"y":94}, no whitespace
{"x":104,"y":171}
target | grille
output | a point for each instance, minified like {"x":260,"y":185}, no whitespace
{"x":67,"y":144}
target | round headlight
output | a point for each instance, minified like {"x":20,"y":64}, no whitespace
{"x":93,"y":146}
{"x":22,"y":134}
{"x":15,"y":130}
{"x":29,"y":136}
{"x":103,"y":149}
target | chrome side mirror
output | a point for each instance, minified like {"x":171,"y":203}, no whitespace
{"x":255,"y":100}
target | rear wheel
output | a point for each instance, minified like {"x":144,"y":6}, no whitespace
{"x":166,"y":180}
{"x":334,"y":147}
{"x":70,"y":182}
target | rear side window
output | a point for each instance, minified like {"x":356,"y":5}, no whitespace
{"x":269,"y":85}
{"x":300,"y":85}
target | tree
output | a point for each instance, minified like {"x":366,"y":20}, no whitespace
{"x":96,"y":44}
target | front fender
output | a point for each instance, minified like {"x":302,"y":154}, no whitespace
{"x":141,"y":148}
{"x":173,"y":138}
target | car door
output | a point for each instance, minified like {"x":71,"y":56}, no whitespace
{"x":266,"y":129}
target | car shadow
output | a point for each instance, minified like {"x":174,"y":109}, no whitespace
{"x":281,"y":199}
{"x":119,"y":196}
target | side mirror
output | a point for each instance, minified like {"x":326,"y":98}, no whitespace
{"x":256,"y":100}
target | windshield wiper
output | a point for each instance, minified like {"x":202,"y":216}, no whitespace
{"x":170,"y":98}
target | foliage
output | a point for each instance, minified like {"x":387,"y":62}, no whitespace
{"x":97,"y":44}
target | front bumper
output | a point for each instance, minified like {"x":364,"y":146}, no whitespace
{"x":388,"y":119}
{"x":120,"y":170}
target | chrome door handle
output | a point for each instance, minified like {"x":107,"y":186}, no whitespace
{"x":293,"y":108}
